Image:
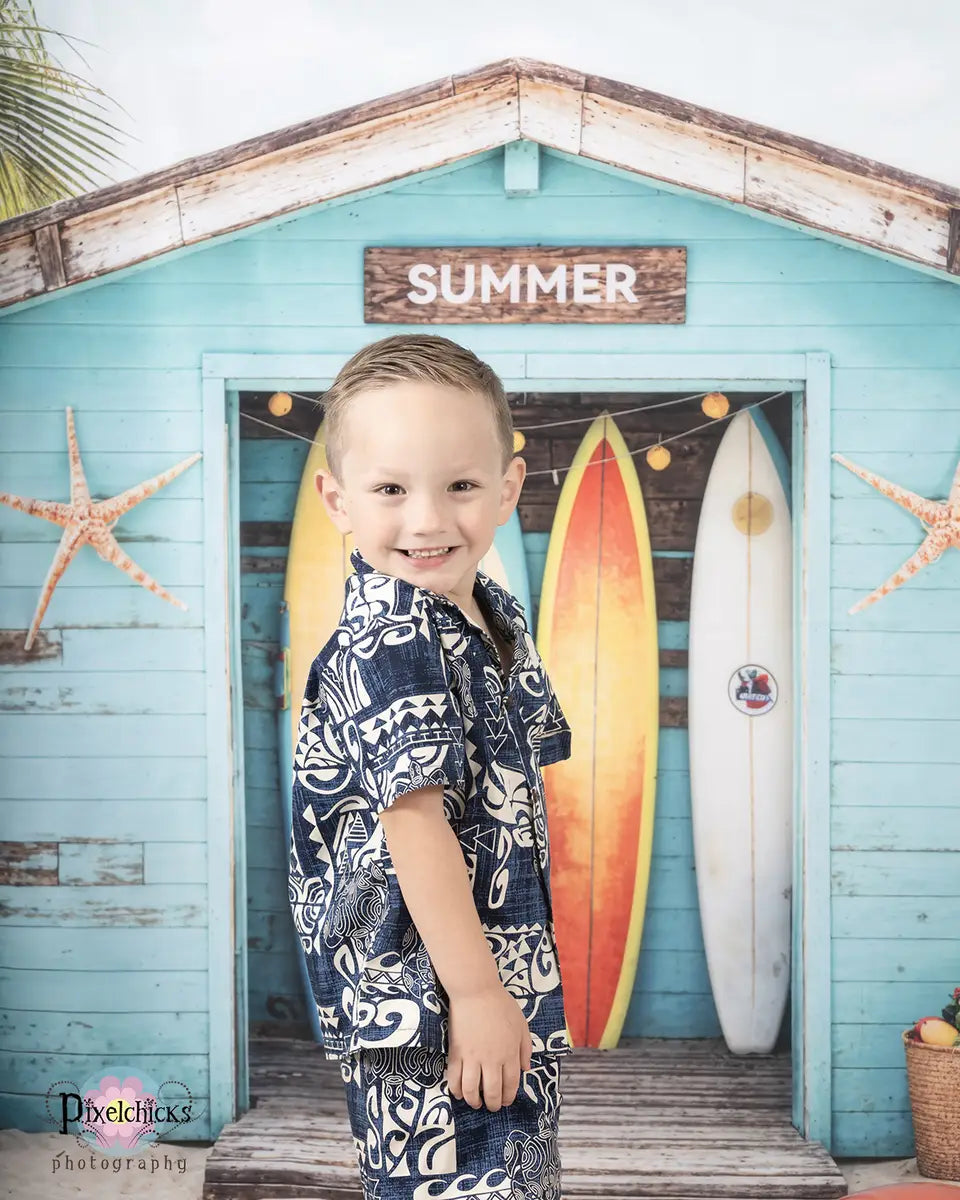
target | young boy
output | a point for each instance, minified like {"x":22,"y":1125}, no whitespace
{"x":420,"y":863}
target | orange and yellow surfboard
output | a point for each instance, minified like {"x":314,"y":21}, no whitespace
{"x":597,"y":636}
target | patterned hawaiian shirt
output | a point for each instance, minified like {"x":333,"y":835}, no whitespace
{"x":408,"y":692}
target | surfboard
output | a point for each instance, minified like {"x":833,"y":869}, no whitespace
{"x":506,"y":562}
{"x":741,"y":731}
{"x":317,"y":568}
{"x":597,"y":636}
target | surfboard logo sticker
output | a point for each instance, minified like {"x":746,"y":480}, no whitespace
{"x":752,"y":690}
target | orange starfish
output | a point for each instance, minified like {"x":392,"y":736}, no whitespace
{"x":90,"y":521}
{"x":940,"y":518}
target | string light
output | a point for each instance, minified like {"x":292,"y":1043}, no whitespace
{"x":658,"y":457}
{"x":280,"y":403}
{"x":673,"y":438}
{"x":552,"y":471}
{"x":716,"y":405}
{"x":623,"y":412}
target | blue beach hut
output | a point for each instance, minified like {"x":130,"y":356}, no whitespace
{"x":144,"y":917}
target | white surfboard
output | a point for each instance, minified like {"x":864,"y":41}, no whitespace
{"x":741,"y":732}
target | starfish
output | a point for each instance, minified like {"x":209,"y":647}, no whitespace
{"x":940,"y":518}
{"x":90,"y":521}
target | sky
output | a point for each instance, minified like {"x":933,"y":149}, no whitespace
{"x":876,"y":77}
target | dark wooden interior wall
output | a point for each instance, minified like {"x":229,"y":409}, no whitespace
{"x":270,"y":473}
{"x":672,"y":497}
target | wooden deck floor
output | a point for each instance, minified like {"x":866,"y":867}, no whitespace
{"x":669,"y":1119}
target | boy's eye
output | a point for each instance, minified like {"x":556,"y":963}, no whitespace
{"x":394,"y":489}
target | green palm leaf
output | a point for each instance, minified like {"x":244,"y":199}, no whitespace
{"x":54,"y":138}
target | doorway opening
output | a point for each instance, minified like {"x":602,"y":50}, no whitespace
{"x":671,"y":995}
{"x":607,"y":379}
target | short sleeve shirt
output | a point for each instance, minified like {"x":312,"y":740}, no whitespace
{"x":408,"y":692}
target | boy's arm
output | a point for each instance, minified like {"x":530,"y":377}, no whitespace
{"x":433,"y":880}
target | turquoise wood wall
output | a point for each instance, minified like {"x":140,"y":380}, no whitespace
{"x":108,"y":742}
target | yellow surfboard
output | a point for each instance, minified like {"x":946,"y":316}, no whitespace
{"x":597,"y":636}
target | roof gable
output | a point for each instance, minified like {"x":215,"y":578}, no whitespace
{"x":768,"y":172}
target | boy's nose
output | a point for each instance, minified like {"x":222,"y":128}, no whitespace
{"x":427,"y":516}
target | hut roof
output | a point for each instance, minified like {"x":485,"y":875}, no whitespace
{"x":873,"y":205}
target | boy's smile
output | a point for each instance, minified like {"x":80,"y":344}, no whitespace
{"x":423,"y":487}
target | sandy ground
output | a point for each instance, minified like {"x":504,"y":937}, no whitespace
{"x":30,"y":1172}
{"x":46,"y":1166}
{"x":863,"y":1173}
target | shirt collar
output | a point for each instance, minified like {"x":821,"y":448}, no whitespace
{"x":498,"y":597}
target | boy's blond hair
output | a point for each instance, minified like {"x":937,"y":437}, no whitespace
{"x":412,"y":356}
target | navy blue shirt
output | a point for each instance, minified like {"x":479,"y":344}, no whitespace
{"x":408,"y":692}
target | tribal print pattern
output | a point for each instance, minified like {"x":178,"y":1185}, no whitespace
{"x":415,"y":1141}
{"x":407,"y":693}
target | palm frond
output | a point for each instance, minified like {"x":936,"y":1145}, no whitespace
{"x":55,"y":140}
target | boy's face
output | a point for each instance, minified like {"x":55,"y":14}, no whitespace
{"x":421,"y":467}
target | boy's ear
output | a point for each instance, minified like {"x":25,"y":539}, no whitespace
{"x":331,"y":494}
{"x":512,"y":485}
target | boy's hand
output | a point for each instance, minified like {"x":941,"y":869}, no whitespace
{"x":489,"y":1046}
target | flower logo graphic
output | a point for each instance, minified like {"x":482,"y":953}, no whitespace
{"x":119,"y":1116}
{"x":121,"y":1110}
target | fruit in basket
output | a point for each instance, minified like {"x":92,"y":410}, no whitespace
{"x":936,"y":1032}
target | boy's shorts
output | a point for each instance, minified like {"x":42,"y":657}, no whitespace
{"x":415,"y":1141}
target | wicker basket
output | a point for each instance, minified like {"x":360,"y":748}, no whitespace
{"x":933,"y":1075}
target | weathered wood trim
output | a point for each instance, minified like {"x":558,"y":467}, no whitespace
{"x":674,"y":658}
{"x":366,"y":155}
{"x":221,"y":865}
{"x":551,"y":114}
{"x":122,"y":234}
{"x":864,"y":210}
{"x":812,"y":931}
{"x":188,"y":168}
{"x":953,"y":242}
{"x":440,"y":122}
{"x":661,"y":148}
{"x":764,"y":135}
{"x":520,"y":68}
{"x":23,"y":863}
{"x":45,"y":645}
{"x":551,"y":73}
{"x":237,"y":779}
{"x":21,"y":274}
{"x":492,"y":74}
{"x":799,"y":1081}
{"x":50,"y":254}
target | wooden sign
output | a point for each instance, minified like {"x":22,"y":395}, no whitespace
{"x":446,"y":285}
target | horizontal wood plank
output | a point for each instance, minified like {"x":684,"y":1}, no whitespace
{"x":23,"y":863}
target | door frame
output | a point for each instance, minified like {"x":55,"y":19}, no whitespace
{"x":807,"y":376}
